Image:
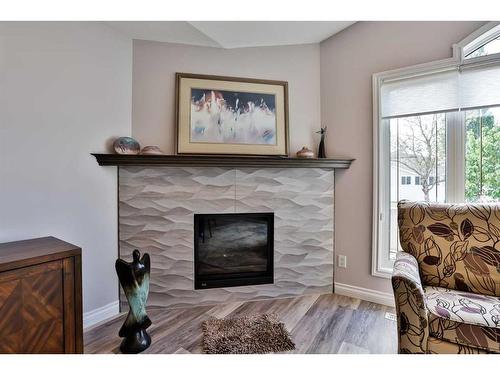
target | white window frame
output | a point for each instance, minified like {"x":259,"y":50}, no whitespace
{"x":478,"y":38}
{"x":455,"y":139}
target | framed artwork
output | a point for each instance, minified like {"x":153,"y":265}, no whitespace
{"x":229,"y":115}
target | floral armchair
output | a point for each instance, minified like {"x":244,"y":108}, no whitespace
{"x":446,"y":281}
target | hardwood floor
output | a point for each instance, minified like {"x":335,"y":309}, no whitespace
{"x":327,"y":323}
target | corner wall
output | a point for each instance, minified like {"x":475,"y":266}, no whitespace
{"x":348,"y":60}
{"x":65,"y":89}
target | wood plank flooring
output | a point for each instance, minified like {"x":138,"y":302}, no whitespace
{"x":327,"y":323}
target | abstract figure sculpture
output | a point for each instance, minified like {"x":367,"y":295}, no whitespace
{"x":134,"y":279}
{"x":321,"y":149}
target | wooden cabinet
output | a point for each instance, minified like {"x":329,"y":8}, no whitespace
{"x":40,"y":297}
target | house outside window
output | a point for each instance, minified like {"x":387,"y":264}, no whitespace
{"x":405,"y":180}
{"x":437,"y":124}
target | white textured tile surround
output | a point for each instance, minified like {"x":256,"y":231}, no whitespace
{"x":156,"y":207}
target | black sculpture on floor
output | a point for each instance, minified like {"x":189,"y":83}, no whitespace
{"x":321,"y":149}
{"x":134,"y":279}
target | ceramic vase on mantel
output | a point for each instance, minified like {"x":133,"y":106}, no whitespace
{"x":305,"y":153}
{"x":151,"y":150}
{"x":126,"y":146}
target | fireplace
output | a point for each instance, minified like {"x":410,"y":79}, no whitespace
{"x":233,"y":249}
{"x":157,"y":208}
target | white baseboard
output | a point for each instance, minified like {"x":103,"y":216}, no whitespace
{"x":100,"y":314}
{"x":365,"y":294}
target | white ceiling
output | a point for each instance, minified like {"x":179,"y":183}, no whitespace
{"x":232,"y":34}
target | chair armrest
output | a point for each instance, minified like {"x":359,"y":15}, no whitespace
{"x":413,"y":327}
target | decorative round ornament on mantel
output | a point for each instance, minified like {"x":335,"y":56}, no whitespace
{"x":126,"y":146}
{"x":151,"y":150}
{"x":305,"y":153}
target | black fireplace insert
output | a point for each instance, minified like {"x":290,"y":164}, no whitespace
{"x":233,"y":249}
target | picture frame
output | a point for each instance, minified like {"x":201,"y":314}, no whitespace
{"x":220,"y":115}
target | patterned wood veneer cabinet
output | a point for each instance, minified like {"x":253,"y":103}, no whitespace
{"x":40,"y":297}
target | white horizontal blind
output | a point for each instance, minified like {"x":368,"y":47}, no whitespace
{"x":436,"y":92}
{"x":443,"y":91}
{"x":479,"y":87}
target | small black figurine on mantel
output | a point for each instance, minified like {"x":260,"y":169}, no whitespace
{"x":134,"y":279}
{"x":321,"y":149}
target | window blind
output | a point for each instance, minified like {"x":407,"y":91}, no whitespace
{"x":443,"y":91}
{"x":479,"y":87}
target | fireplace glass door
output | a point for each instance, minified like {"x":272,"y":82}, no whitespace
{"x":233,"y":249}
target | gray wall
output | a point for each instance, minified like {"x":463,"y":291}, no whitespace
{"x":155,"y":65}
{"x":65,"y":88}
{"x":348,"y":61}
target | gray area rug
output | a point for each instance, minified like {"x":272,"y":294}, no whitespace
{"x":246,"y":335}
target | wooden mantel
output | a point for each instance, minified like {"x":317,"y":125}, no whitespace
{"x":220,"y":161}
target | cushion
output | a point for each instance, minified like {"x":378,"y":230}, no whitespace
{"x":463,"y":318}
{"x":457,"y":246}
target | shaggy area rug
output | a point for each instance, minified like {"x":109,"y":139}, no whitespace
{"x":246,"y":335}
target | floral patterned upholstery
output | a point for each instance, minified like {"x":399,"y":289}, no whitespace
{"x":463,"y":318}
{"x":437,"y":346}
{"x":457,"y":246}
{"x":410,"y":305}
{"x":446,"y":281}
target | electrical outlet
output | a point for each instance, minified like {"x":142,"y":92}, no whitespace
{"x":342,"y":261}
{"x":390,"y":316}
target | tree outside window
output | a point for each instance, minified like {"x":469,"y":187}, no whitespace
{"x":482,"y":155}
{"x":420,"y":148}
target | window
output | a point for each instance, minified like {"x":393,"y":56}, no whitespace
{"x":492,"y":47}
{"x":418,"y":146}
{"x":439,"y":126}
{"x":482,"y":155}
{"x":485,"y":44}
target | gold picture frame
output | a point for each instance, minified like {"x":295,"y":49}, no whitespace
{"x":221,"y":115}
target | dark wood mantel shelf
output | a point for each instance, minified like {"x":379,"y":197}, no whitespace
{"x":220,"y":161}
